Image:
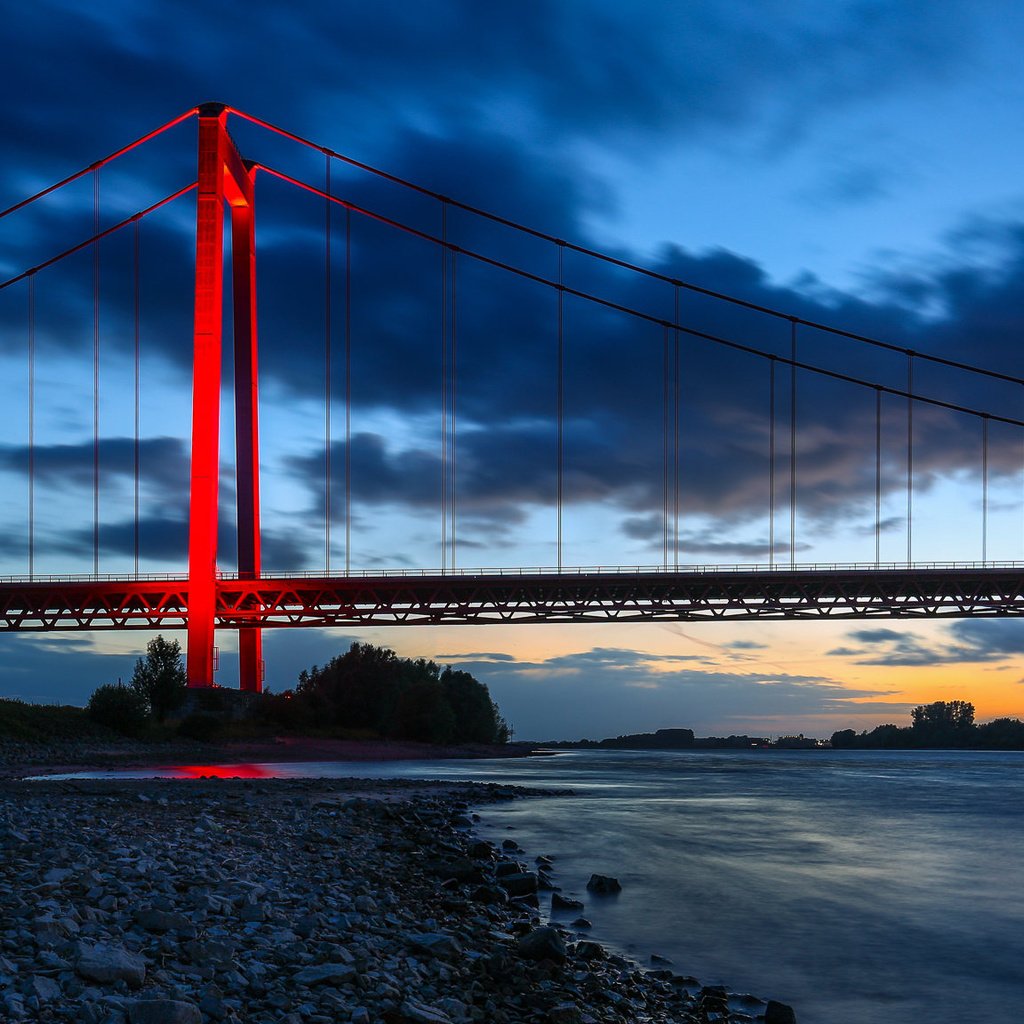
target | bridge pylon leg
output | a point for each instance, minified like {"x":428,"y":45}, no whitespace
{"x":247,"y":452}
{"x":224,"y":179}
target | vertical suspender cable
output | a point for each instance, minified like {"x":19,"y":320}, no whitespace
{"x":561,"y":400}
{"x":910,"y":456}
{"x":451,"y":401}
{"x":878,"y":475}
{"x":664,"y":448}
{"x":675,"y":429}
{"x":444,"y":384}
{"x":348,"y":390}
{"x":984,"y":488}
{"x":792,"y":443}
{"x":31,"y":426}
{"x":138,"y":382}
{"x":96,"y":375}
{"x":328,"y":205}
{"x":771,"y":463}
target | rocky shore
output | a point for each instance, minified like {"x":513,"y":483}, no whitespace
{"x":295,"y":901}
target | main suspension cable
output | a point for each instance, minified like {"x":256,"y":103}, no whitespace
{"x":105,"y":233}
{"x":99,"y":163}
{"x":693,"y":332}
{"x":624,"y":264}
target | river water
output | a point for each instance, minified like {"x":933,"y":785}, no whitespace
{"x":858,"y":886}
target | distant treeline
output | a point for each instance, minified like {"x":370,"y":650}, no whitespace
{"x":940,"y":725}
{"x":943,"y":725}
{"x":664,"y":739}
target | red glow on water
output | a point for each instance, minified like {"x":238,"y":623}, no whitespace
{"x":220,"y":771}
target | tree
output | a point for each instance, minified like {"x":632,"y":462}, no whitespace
{"x":476,"y":716}
{"x":370,"y":690}
{"x":160,"y":678}
{"x":942,"y":715}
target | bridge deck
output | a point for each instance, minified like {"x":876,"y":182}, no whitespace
{"x":527,"y":597}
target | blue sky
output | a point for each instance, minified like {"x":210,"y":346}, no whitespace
{"x":852,"y":163}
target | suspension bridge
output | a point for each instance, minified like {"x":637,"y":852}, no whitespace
{"x":770,"y":345}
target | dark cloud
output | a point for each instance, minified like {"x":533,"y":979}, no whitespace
{"x":967,"y":641}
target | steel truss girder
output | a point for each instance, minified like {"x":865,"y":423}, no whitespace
{"x":552,"y":598}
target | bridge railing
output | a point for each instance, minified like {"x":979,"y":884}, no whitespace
{"x":691,"y":569}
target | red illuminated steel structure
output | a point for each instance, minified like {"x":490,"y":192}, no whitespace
{"x":224,"y":180}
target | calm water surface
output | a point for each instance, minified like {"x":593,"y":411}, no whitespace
{"x":860,"y":887}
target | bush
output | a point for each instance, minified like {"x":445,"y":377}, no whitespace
{"x":119,"y":708}
{"x":199,"y":726}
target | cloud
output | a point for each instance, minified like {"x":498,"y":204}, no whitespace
{"x":607,"y":691}
{"x":964,"y":641}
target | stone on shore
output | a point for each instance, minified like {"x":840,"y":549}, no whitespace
{"x":565,"y":902}
{"x":778,"y":1013}
{"x":321,"y":974}
{"x":603,"y":885}
{"x":111,"y":963}
{"x":163,"y":1011}
{"x":542,"y":944}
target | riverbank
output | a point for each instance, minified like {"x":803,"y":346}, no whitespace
{"x":20,"y":758}
{"x":300,"y":901}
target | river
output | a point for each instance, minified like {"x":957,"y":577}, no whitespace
{"x":857,"y":886}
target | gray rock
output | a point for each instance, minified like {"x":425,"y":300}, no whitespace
{"x":541,"y":944}
{"x":588,"y":950}
{"x":210,"y":951}
{"x":779,"y":1013}
{"x":45,"y":989}
{"x":565,"y":1013}
{"x":565,"y":902}
{"x":320,"y":974}
{"x":154,"y":920}
{"x":163,"y":1011}
{"x":508,"y":867}
{"x":416,"y":1012}
{"x":604,"y":885}
{"x":436,"y":944}
{"x":107,"y":964}
{"x":522,"y":883}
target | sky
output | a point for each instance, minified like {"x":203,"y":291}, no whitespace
{"x":851,"y":163}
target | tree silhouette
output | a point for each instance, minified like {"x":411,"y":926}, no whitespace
{"x":160,"y":678}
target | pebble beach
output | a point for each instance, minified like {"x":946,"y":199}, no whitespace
{"x":293,"y":901}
